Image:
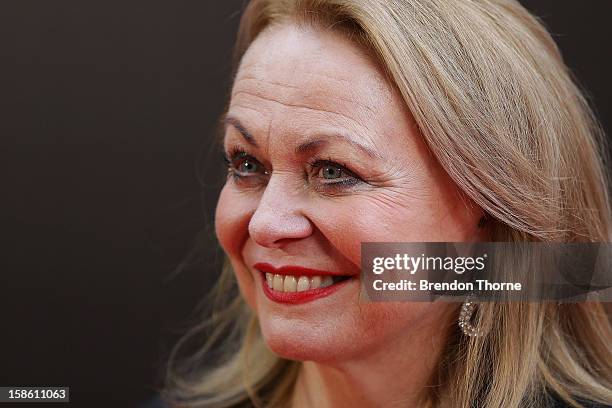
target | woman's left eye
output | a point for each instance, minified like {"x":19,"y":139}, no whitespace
{"x":330,"y":172}
{"x":333,"y":174}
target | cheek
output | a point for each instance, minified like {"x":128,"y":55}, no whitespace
{"x":389,"y":322}
{"x":365,"y":219}
{"x":438,"y":215}
{"x":232,"y":217}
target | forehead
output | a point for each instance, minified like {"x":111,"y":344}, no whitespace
{"x":295,"y":82}
{"x":315,"y":77}
{"x":319,"y":57}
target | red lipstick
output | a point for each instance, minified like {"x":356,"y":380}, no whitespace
{"x":293,"y":270}
{"x":297,"y":297}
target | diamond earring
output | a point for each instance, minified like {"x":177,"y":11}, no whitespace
{"x":465,"y":319}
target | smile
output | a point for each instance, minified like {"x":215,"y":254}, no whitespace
{"x":295,"y":284}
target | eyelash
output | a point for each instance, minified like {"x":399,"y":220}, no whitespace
{"x":319,"y":163}
{"x":316,"y":164}
{"x":229,"y":159}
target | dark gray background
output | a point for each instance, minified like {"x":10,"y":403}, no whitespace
{"x":107,"y":108}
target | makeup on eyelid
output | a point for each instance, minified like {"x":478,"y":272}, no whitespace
{"x":346,"y":177}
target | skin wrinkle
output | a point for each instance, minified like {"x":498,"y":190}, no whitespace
{"x":229,"y":121}
{"x":347,"y":83}
{"x":396,"y":189}
{"x":308,"y":146}
{"x":288,"y":218}
{"x":318,"y":142}
{"x":302,"y":107}
{"x":378,"y":86}
{"x":393,"y":171}
{"x":375,"y":177}
{"x":376,"y":82}
{"x":254,"y":78}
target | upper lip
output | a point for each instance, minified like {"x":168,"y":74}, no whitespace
{"x":294,"y":270}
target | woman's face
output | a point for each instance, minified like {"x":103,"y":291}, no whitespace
{"x":323,"y":156}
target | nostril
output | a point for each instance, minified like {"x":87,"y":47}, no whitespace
{"x":273,"y":229}
{"x":284,"y":241}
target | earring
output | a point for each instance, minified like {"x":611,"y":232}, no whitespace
{"x":468,"y":307}
{"x":465,"y":319}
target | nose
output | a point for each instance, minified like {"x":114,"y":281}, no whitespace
{"x":278,"y":218}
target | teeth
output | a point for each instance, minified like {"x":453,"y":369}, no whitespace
{"x":290,"y":283}
{"x":278,"y":283}
{"x":327,"y":281}
{"x":303,"y":284}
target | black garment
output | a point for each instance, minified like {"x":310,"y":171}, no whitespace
{"x":154,"y":402}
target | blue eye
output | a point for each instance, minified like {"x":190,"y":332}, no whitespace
{"x":333,"y":175}
{"x":330,"y":172}
{"x":325,"y":175}
{"x":248,"y":165}
{"x":242,"y":165}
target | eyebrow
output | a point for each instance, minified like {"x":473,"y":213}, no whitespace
{"x":229,"y":120}
{"x":318,"y":143}
{"x":308,"y":146}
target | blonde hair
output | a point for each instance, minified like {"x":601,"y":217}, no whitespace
{"x":497,"y":107}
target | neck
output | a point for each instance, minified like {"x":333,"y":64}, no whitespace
{"x":397,"y":375}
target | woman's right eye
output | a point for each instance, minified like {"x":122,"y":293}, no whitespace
{"x":248,"y":165}
{"x":242,"y":165}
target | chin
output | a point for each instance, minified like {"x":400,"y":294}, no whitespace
{"x":304,"y":341}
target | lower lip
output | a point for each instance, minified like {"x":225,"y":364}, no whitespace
{"x":300,"y":297}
